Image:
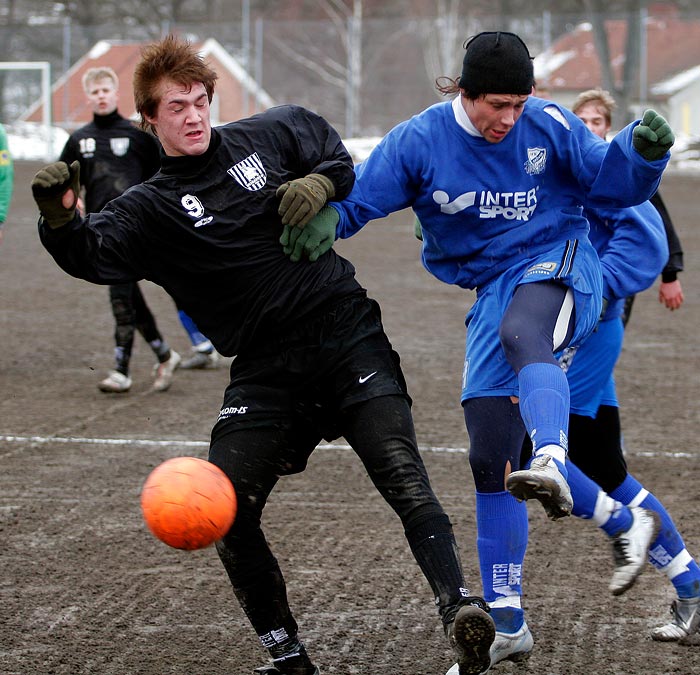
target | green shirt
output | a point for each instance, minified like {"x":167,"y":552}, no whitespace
{"x":6,"y":175}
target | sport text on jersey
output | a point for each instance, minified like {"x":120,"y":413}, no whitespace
{"x":508,"y":205}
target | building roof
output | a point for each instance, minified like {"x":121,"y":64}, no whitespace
{"x":237,"y":94}
{"x":673,"y":46}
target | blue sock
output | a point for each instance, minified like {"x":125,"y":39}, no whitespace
{"x":590,"y":502}
{"x":501,"y":542}
{"x":196,"y":338}
{"x":667,"y":552}
{"x":544,"y":404}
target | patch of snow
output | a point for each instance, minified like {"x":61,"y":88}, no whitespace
{"x":33,"y":141}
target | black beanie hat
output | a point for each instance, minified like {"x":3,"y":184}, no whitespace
{"x":497,"y":63}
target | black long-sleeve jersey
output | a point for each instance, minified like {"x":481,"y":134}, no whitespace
{"x":206,"y":229}
{"x":675,"y":251}
{"x":113,"y":156}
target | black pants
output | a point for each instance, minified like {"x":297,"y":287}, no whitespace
{"x":595,"y":446}
{"x":271,"y":433}
{"x":131,"y":314}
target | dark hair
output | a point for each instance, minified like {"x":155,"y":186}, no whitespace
{"x":449,"y":86}
{"x":171,"y":59}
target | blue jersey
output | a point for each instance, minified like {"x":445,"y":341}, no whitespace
{"x":486,"y":206}
{"x":496,"y":215}
{"x":633,"y":249}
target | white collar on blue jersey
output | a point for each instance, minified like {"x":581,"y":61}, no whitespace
{"x":462,"y":118}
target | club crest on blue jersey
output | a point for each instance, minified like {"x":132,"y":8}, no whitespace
{"x":536,"y":161}
{"x":249,"y":173}
{"x":119,"y":146}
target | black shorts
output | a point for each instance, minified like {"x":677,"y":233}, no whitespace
{"x":305,"y":378}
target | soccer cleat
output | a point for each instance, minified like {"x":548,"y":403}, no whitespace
{"x":164,"y":371}
{"x":115,"y":382}
{"x":685,"y":621}
{"x":515,"y":647}
{"x":201,"y":361}
{"x":631,"y":548}
{"x":296,"y":662}
{"x":542,"y":481}
{"x":471,"y":635}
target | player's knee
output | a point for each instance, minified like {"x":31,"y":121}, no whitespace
{"x":523,"y":341}
{"x":122,"y":312}
{"x":489,"y":472}
{"x":511,"y":331}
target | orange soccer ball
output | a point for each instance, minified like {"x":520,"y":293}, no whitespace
{"x":188,"y":503}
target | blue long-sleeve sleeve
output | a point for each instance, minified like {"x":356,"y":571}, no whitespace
{"x":483,"y":205}
{"x":632,"y":247}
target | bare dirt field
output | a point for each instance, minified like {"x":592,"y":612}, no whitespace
{"x":86,"y":590}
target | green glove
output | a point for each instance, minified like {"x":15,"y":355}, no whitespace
{"x":652,"y":137}
{"x":314,"y":240}
{"x":50,"y":188}
{"x":303,"y":198}
{"x":417,"y":229}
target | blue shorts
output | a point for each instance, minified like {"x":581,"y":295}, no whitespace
{"x":589,"y":368}
{"x":573,"y":263}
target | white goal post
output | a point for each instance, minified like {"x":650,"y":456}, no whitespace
{"x":44,"y":67}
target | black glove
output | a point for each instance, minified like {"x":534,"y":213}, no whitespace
{"x":303,"y":198}
{"x":315,"y":239}
{"x":49,"y":187}
{"x":653,"y":136}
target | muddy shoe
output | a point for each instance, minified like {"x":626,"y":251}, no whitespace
{"x":685,"y":622}
{"x":471,"y":635}
{"x":289,"y":659}
{"x":542,"y":481}
{"x":514,"y":647}
{"x":201,"y":361}
{"x":631,"y":548}
{"x":115,"y":383}
{"x":272,"y":670}
{"x":163,"y":372}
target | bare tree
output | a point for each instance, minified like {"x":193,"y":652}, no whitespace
{"x":442,"y":38}
{"x":628,"y":89}
{"x":343,"y":71}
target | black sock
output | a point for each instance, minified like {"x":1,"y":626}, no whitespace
{"x":435,"y":550}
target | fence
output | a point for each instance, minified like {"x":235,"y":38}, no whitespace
{"x":363,"y":78}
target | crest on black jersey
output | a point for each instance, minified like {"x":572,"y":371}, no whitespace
{"x":249,"y":173}
{"x":119,"y":146}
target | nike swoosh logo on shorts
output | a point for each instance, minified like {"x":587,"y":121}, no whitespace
{"x":364,"y":378}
